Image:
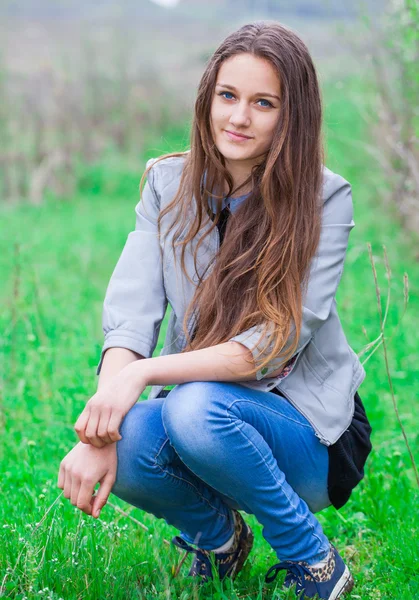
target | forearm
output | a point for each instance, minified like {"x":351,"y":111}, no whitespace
{"x":114,"y":360}
{"x":127,"y":377}
{"x":223,"y":362}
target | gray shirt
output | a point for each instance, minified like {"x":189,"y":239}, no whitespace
{"x":326,"y":372}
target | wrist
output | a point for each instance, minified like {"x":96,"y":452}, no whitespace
{"x":138,"y":372}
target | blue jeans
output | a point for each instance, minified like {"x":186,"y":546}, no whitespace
{"x":210,"y":447}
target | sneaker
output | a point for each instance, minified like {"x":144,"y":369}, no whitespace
{"x":329,"y":582}
{"x":229,"y":563}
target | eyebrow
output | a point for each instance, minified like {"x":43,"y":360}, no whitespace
{"x":231,"y":87}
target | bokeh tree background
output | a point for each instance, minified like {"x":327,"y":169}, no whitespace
{"x":89,"y":91}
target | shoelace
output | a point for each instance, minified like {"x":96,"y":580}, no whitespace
{"x":202,"y":555}
{"x":297,"y":570}
{"x":180,"y":543}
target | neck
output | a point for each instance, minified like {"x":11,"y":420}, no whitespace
{"x":240,"y":171}
{"x":238,"y":179}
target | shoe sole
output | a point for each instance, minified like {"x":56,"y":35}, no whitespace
{"x":244,"y":553}
{"x":343,"y":586}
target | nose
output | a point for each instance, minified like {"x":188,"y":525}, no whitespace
{"x":240,"y":115}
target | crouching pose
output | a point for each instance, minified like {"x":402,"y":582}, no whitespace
{"x":245,"y":236}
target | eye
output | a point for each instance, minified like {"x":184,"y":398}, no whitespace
{"x":267,"y":105}
{"x":228,"y":93}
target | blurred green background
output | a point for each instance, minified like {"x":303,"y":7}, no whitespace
{"x":90,"y":91}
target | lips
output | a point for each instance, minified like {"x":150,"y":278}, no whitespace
{"x":237,"y":136}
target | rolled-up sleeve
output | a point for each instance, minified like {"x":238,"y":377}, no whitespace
{"x":135,"y":301}
{"x":324,"y":277}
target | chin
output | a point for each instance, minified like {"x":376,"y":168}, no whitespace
{"x":230,"y":153}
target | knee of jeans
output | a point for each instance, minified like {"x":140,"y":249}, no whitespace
{"x":142,"y":436}
{"x":186,"y":413}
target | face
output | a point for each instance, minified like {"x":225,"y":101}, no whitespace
{"x":245,"y":110}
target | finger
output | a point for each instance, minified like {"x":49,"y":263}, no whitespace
{"x":97,"y":443}
{"x":75,"y":486}
{"x":91,"y":428}
{"x":102,"y":430}
{"x":103,"y":494}
{"x":84,"y":499}
{"x":113,"y":426}
{"x":61,"y":477}
{"x":67,"y":484}
{"x":81,"y":424}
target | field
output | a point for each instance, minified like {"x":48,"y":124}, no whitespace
{"x":55,"y":262}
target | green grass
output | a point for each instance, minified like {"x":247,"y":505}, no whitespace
{"x":55,"y":262}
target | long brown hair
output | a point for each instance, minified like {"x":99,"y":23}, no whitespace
{"x":260,"y":273}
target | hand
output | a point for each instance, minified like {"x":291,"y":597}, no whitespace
{"x":102,"y":416}
{"x":80,"y":471}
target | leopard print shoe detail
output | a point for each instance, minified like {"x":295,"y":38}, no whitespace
{"x":331,"y":581}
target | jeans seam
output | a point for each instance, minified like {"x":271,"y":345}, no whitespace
{"x":198,"y":493}
{"x":260,"y":406}
{"x":234,"y":422}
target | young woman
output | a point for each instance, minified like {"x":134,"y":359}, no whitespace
{"x":245,"y":237}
